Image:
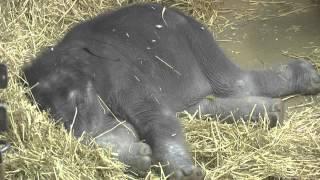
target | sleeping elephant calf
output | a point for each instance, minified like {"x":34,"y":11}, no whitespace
{"x":144,"y":63}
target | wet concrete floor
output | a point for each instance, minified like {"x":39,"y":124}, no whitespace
{"x":261,"y":32}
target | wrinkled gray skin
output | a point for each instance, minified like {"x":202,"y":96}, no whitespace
{"x":146,"y":63}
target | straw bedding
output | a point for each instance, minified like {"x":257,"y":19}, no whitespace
{"x":44,"y":150}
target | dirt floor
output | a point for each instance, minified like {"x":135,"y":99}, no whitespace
{"x":253,"y":33}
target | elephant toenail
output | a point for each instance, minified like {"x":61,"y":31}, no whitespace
{"x":276,"y":107}
{"x":199,"y":172}
{"x":316,"y":79}
{"x":187,"y":171}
